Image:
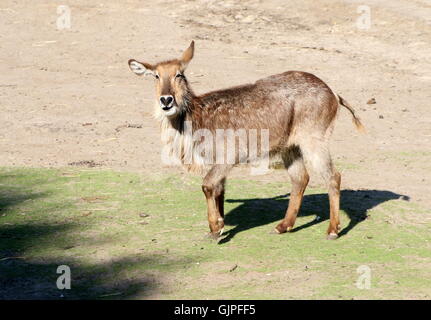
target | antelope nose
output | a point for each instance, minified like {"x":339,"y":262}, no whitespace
{"x":166,"y":101}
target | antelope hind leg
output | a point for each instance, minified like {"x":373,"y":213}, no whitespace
{"x":299,"y":177}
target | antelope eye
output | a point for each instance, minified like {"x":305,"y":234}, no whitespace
{"x":157,"y":76}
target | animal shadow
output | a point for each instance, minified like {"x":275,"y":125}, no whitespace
{"x":257,"y":212}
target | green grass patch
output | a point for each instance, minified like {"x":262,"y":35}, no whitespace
{"x":129,"y":236}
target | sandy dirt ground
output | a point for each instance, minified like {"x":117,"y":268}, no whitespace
{"x":67,"y":96}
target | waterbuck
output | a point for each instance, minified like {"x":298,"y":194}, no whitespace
{"x":296,"y":108}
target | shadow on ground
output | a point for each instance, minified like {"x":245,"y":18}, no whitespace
{"x":257,"y":212}
{"x":36,"y":277}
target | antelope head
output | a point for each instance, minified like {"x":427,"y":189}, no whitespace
{"x":172,"y":91}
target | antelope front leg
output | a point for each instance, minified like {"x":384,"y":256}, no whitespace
{"x":213,"y":188}
{"x":215,"y":218}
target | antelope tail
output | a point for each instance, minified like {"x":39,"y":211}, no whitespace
{"x":355,"y":118}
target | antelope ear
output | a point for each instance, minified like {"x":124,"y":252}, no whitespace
{"x":141,"y":68}
{"x":188,"y":55}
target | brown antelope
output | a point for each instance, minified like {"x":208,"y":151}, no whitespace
{"x":297,"y":108}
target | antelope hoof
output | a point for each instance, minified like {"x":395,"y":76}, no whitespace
{"x":279,"y":230}
{"x":282,"y":229}
{"x":214,"y":235}
{"x":332,"y":236}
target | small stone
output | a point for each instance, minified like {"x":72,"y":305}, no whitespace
{"x":372,"y":101}
{"x":233,"y":268}
{"x":248,"y":19}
